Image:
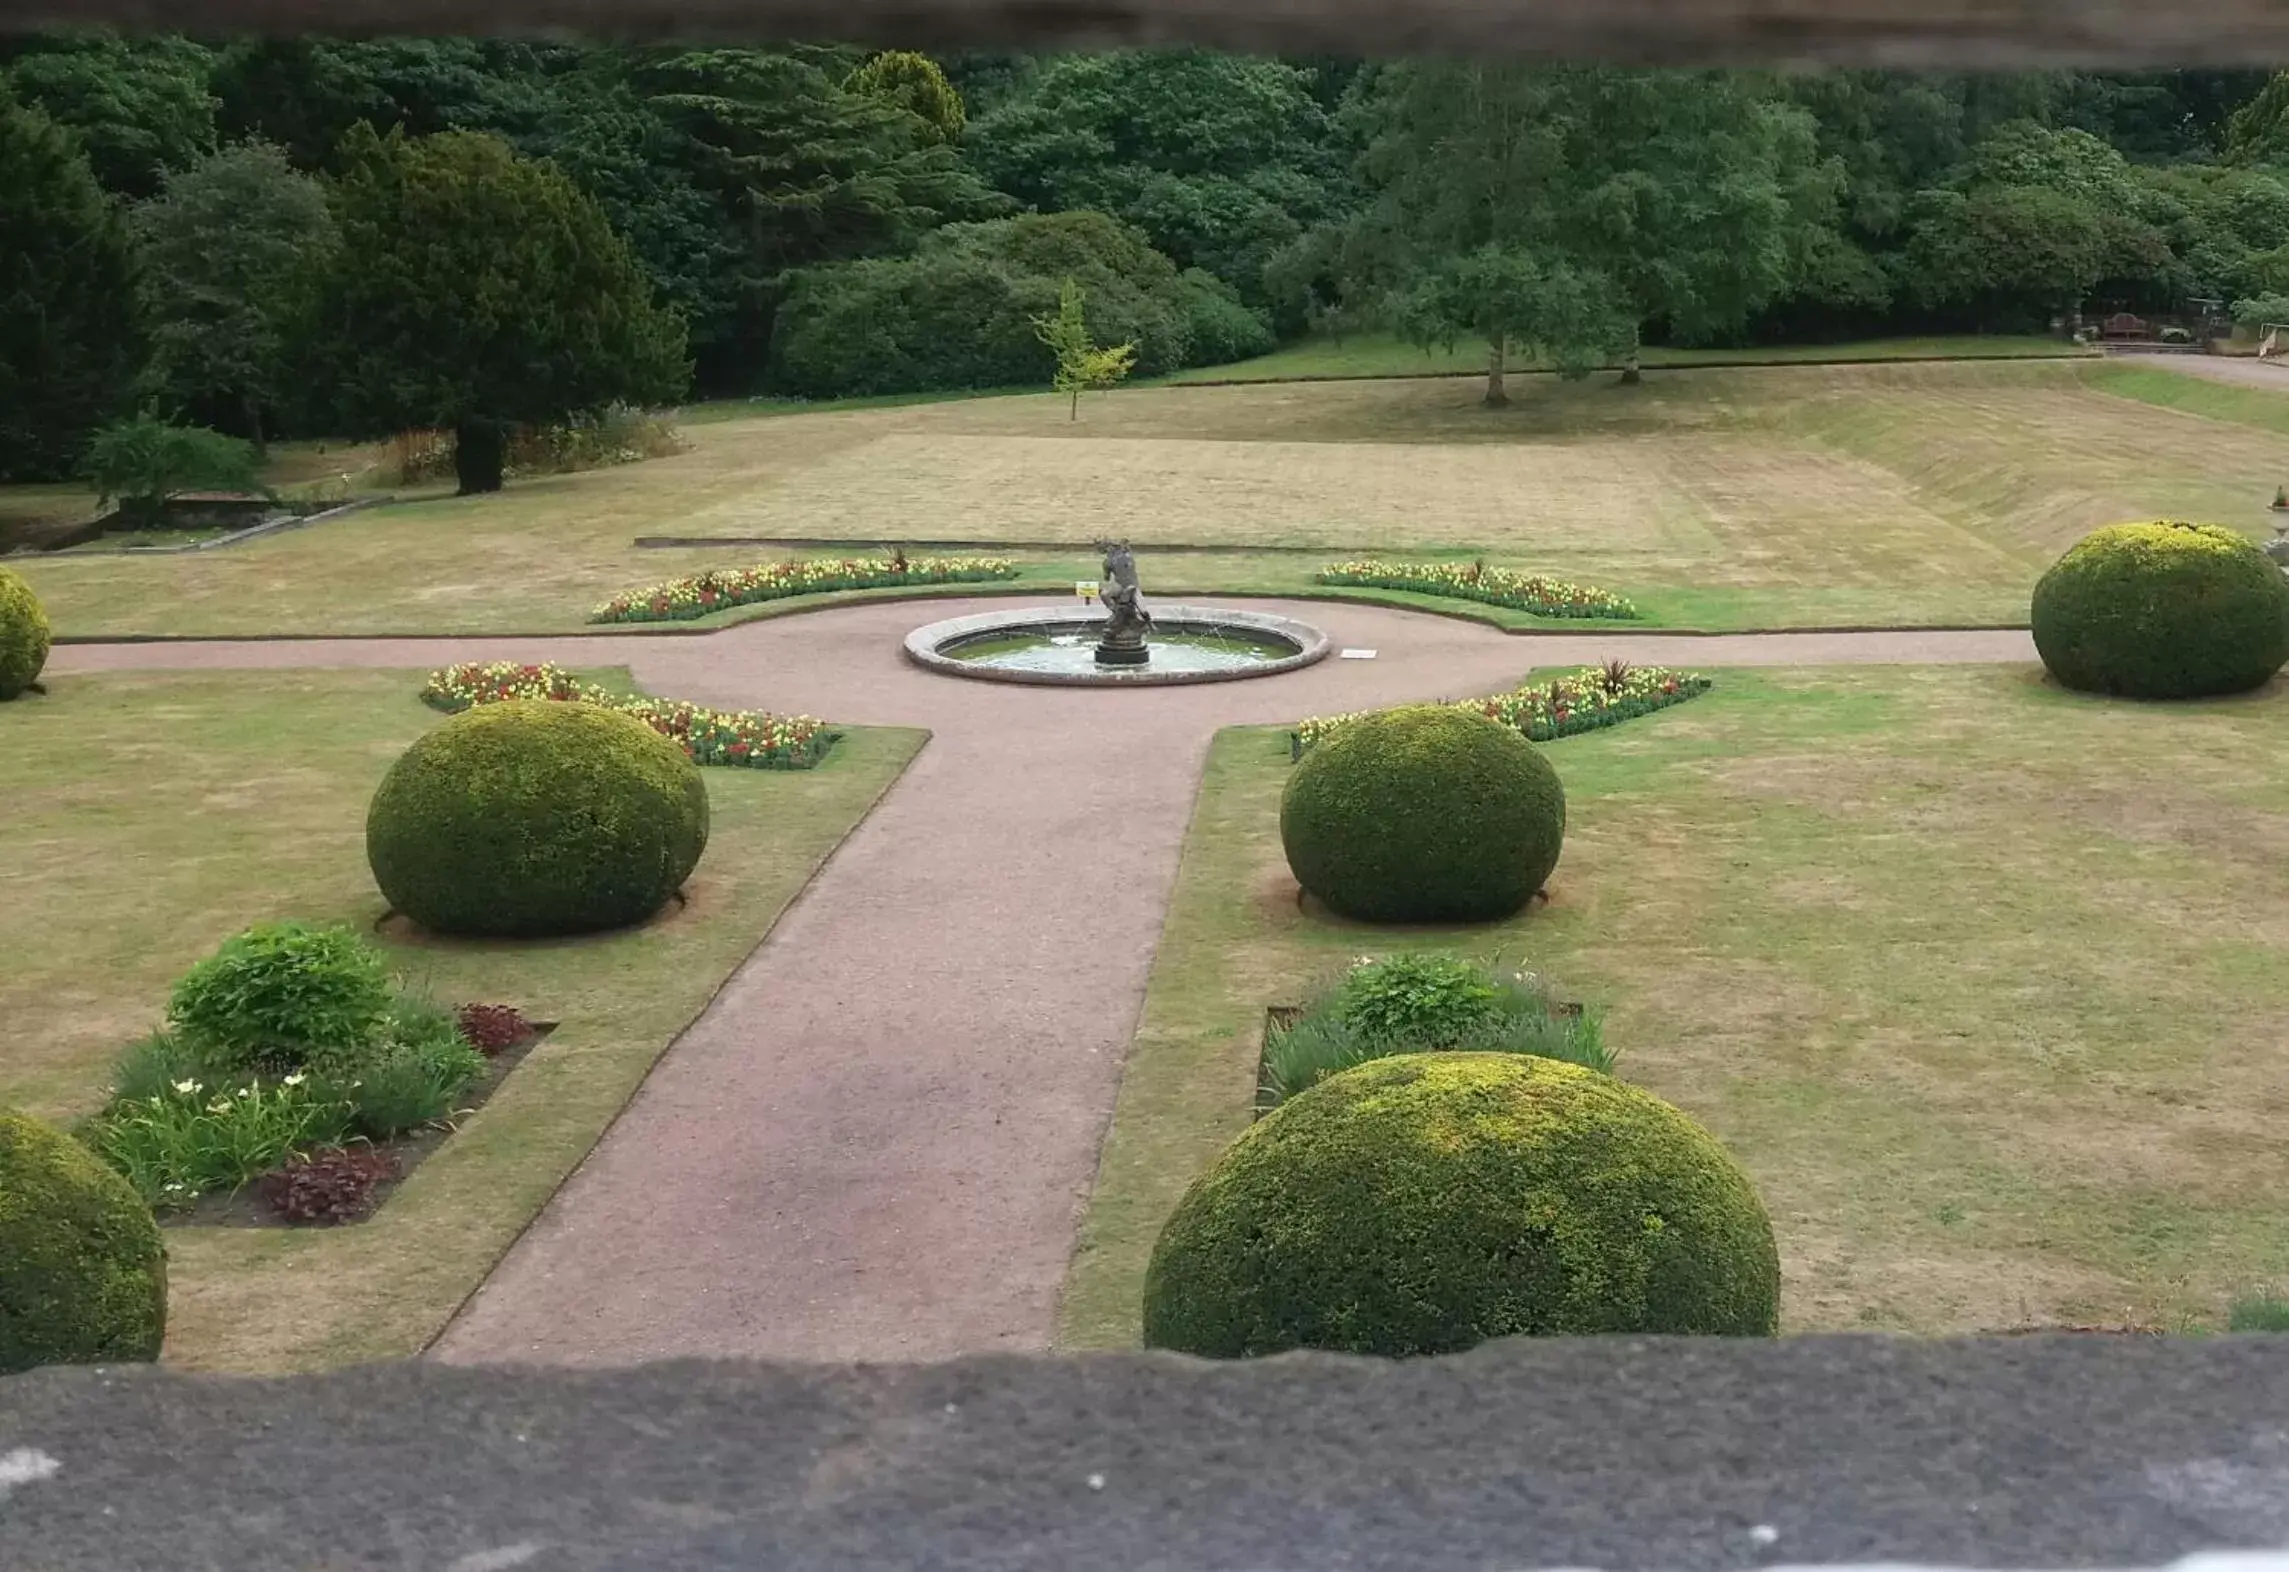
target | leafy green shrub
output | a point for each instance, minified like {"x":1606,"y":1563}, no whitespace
{"x":1221,"y":328}
{"x":1424,"y":1203}
{"x":24,"y":635}
{"x":83,"y":1276}
{"x":283,"y":997}
{"x":531,"y":818}
{"x":1424,"y":814}
{"x":145,"y":461}
{"x":1425,"y":1001}
{"x":2163,"y":611}
{"x":178,"y":1144}
{"x":1426,"y":1004}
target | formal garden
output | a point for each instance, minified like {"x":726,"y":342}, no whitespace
{"x":1742,"y":838}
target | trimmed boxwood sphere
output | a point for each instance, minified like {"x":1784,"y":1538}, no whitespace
{"x":2163,"y":611}
{"x":1424,"y":814}
{"x":83,"y":1276}
{"x":532,"y":817}
{"x":1421,"y":1204}
{"x":24,"y":635}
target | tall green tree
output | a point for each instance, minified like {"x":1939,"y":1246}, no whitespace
{"x":306,"y":93}
{"x":68,"y":348}
{"x":142,"y":106}
{"x":231,"y":254}
{"x":800,"y":171}
{"x":1620,"y":197}
{"x":476,"y":289}
{"x":2039,"y":217}
{"x":1222,"y":160}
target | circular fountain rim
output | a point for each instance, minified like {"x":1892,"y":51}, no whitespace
{"x":924,"y":645}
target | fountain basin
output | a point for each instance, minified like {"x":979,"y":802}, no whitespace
{"x":1057,"y":647}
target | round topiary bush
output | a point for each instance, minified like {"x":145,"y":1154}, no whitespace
{"x":534,"y":817}
{"x":24,"y":635}
{"x":1424,"y":814}
{"x":1421,"y":1204}
{"x":2163,"y":611}
{"x":83,"y":1277}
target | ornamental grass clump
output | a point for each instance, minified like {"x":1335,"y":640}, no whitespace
{"x":83,"y":1275}
{"x":1424,"y":1203}
{"x":1533,"y":592}
{"x":178,"y":1144}
{"x":702,"y":594}
{"x":2163,"y":611}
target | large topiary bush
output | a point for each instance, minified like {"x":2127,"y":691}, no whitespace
{"x":1425,"y":814}
{"x":83,"y":1276}
{"x":24,"y":635}
{"x":1421,"y":1204}
{"x":2163,"y":611}
{"x":534,"y":817}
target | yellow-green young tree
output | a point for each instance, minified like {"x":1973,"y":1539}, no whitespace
{"x":915,"y":83}
{"x":1081,"y":365}
{"x":477,"y":290}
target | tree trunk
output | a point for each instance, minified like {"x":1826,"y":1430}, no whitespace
{"x":480,"y":451}
{"x":254,"y":426}
{"x":1075,"y":412}
{"x":1497,"y":349}
{"x":1631,"y":373}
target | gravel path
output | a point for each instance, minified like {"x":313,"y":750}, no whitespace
{"x":2241,"y":370}
{"x":876,"y":1144}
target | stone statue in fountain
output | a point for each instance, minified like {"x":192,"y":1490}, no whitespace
{"x":1126,"y":620}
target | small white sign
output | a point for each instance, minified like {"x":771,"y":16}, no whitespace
{"x":1357,"y":655}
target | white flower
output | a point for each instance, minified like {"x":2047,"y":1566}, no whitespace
{"x":295,"y":1079}
{"x":186,"y":1088}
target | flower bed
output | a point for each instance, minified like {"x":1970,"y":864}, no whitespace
{"x":273,"y":1095}
{"x":1545,"y":597}
{"x":680,"y":600}
{"x":748,"y":739}
{"x":1562,"y":707}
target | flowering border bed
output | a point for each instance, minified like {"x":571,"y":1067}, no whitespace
{"x":1587,"y":700}
{"x":680,"y":600}
{"x":744,"y":739}
{"x":1545,"y":597}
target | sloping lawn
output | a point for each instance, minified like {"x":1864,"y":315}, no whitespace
{"x":1900,"y":494}
{"x":150,"y":816}
{"x":1984,"y":983}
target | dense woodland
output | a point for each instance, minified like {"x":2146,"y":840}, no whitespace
{"x":278,"y":238}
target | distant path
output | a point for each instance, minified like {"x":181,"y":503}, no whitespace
{"x":877,"y":1143}
{"x":2241,"y":371}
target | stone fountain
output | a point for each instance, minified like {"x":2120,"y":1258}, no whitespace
{"x":1109,"y":647}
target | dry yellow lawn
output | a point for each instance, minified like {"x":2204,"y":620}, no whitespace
{"x":1982,"y":982}
{"x":1735,"y":497}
